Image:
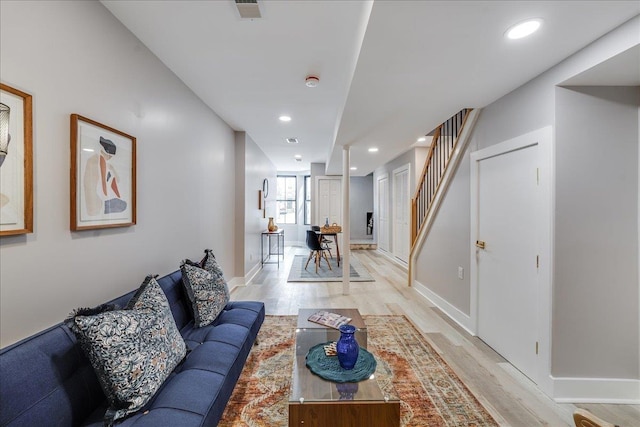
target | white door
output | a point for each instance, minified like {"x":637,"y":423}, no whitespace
{"x":508,"y":201}
{"x":401,"y":213}
{"x":329,"y":207}
{"x":382,"y":228}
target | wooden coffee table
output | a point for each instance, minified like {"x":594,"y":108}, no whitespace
{"x":315,"y":402}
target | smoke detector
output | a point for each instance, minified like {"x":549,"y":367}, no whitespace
{"x":311,"y":81}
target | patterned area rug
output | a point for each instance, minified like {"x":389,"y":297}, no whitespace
{"x":358,"y":273}
{"x":408,"y":368}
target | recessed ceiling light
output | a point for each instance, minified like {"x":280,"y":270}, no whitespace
{"x":422,"y":139}
{"x":292,"y":140}
{"x":353,"y":168}
{"x":298,"y":156}
{"x":284,"y":118}
{"x":523,"y":29}
{"x":373,"y":150}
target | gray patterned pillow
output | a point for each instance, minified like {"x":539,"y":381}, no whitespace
{"x":132,"y":350}
{"x":210,"y":264}
{"x":208,"y":297}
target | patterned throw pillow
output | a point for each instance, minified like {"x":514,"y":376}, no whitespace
{"x":132,"y":350}
{"x":210,"y":264}
{"x":207,"y":295}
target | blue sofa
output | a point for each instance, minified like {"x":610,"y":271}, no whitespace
{"x":45,"y":379}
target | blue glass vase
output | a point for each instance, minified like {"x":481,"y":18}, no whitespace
{"x":347,"y":347}
{"x":347,"y":391}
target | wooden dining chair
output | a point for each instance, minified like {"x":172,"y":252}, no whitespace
{"x":316,"y":249}
{"x":584,"y":418}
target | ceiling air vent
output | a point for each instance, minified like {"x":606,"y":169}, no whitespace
{"x":248,"y":9}
{"x":291,"y":140}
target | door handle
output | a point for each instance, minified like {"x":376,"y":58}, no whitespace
{"x":480,"y":244}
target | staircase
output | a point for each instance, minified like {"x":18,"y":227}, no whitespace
{"x":449,"y":142}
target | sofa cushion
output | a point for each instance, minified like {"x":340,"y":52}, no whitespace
{"x":132,"y":350}
{"x":207,"y":295}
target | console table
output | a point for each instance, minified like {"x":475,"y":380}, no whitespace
{"x":279,"y":247}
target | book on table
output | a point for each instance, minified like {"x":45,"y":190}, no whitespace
{"x":326,"y":318}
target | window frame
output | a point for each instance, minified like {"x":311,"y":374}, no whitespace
{"x":307,"y":200}
{"x":279,"y":218}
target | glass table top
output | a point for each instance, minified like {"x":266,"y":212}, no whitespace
{"x":309,"y":387}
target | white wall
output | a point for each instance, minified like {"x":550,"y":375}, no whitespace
{"x":75,"y":57}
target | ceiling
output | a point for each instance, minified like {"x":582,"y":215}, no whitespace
{"x":390,"y":71}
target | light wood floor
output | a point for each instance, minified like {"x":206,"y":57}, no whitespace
{"x":509,"y":396}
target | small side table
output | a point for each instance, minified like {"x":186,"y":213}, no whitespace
{"x":279,"y":235}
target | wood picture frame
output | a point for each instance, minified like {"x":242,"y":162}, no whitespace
{"x":103,"y":176}
{"x":16,"y":161}
{"x":260,"y":199}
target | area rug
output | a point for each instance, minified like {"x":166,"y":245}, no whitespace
{"x":408,"y":368}
{"x":358,"y":273}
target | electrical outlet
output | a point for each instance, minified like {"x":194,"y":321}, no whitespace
{"x":460,"y":273}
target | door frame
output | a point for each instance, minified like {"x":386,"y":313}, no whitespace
{"x":542,"y":137}
{"x":394,"y":250}
{"x":376,"y":215}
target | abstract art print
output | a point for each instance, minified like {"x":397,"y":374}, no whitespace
{"x":16,"y":162}
{"x":103,"y":176}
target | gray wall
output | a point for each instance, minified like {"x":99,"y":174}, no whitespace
{"x":88,"y":63}
{"x":360,"y":202}
{"x":447,"y":245}
{"x":252,"y":167}
{"x":586,"y":311}
{"x":596,"y":251}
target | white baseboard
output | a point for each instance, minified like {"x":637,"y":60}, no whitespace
{"x":391,"y":257}
{"x":562,"y":390}
{"x":462,"y":319}
{"x":596,"y":390}
{"x":242,"y":281}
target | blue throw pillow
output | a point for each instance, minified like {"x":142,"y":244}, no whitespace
{"x":132,"y":350}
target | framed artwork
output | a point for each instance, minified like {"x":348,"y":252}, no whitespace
{"x":16,"y":162}
{"x":103,"y":176}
